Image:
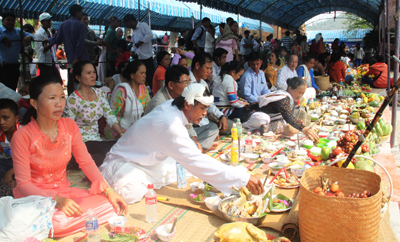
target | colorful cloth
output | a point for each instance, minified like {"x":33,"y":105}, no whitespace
{"x":87,"y":114}
{"x":225,"y":94}
{"x":271,"y":74}
{"x":40,"y":169}
{"x":123,"y":57}
{"x":118,"y":105}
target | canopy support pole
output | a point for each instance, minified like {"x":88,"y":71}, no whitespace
{"x":396,"y":75}
{"x":192,"y":22}
{"x":149,"y":18}
{"x":22,"y":37}
{"x":387,"y":43}
{"x":239,"y":31}
{"x":201,"y":10}
{"x":138,"y":10}
{"x":260,"y":28}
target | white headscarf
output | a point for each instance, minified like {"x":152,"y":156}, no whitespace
{"x":318,"y":37}
{"x":195,"y":92}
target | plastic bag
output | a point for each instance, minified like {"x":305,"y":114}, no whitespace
{"x":25,"y":217}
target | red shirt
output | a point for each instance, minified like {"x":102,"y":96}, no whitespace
{"x":337,"y":71}
{"x":376,"y":69}
{"x":3,"y":135}
{"x":123,"y":57}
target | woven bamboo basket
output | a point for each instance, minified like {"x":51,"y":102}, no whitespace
{"x":324,"y":218}
{"x":322,"y":82}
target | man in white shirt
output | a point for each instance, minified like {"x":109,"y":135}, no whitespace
{"x":141,"y":40}
{"x":201,"y":69}
{"x":199,"y":36}
{"x":46,"y":54}
{"x":146,"y":153}
{"x":286,"y":72}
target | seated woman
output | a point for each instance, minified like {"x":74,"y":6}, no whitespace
{"x":117,"y":78}
{"x":322,"y":64}
{"x":306,"y":71}
{"x":163,"y":60}
{"x":225,"y":90}
{"x":271,"y":72}
{"x":380,"y":72}
{"x":279,"y":105}
{"x":41,"y":151}
{"x":129,"y":99}
{"x":336,"y":69}
{"x":86,"y":106}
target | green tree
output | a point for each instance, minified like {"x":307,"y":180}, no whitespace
{"x":353,"y":23}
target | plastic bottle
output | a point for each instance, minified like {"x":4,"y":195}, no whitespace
{"x":234,"y":133}
{"x":151,"y":204}
{"x":248,"y":142}
{"x":92,"y":225}
{"x":239,"y":127}
{"x":341,"y":92}
{"x":234,"y":153}
{"x":181,"y":176}
{"x":341,"y":81}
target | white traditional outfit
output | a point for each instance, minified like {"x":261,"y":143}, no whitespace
{"x":283,"y":74}
{"x":146,"y":152}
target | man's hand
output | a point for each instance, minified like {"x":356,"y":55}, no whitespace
{"x":45,"y":42}
{"x":27,"y":40}
{"x":194,"y":138}
{"x":7,"y":41}
{"x":255,"y":186}
{"x":99,"y":42}
{"x":223,"y":124}
{"x":138,"y":44}
{"x":68,"y":206}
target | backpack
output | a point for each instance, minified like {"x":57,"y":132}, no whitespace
{"x":188,"y":41}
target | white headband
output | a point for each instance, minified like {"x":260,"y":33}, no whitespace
{"x":195,"y":92}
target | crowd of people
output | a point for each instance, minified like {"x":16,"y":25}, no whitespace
{"x":132,"y":129}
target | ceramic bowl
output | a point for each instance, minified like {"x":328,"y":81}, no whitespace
{"x":275,"y":167}
{"x":212,"y":203}
{"x":297,"y":170}
{"x":291,"y":144}
{"x":283,"y":161}
{"x":341,"y":121}
{"x":266,"y":158}
{"x":301,"y":152}
{"x":251,"y":158}
{"x":117,"y":221}
{"x":308,"y":144}
{"x":164,"y":236}
{"x":323,"y":134}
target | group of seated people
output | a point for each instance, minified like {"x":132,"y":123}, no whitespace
{"x":144,"y":137}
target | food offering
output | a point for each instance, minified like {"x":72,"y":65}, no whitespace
{"x":291,"y":181}
{"x":200,"y":195}
{"x":281,"y":203}
{"x":242,"y":231}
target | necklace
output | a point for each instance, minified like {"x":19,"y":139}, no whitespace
{"x":52,"y":134}
{"x":88,"y":97}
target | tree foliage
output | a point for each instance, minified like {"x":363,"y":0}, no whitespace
{"x":353,"y":23}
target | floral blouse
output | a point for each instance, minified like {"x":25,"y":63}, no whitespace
{"x":87,"y":114}
{"x":283,"y":107}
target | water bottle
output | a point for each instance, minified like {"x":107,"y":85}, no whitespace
{"x":248,"y":144}
{"x":239,"y":127}
{"x":151,"y":204}
{"x":92,"y":225}
{"x":234,"y":132}
{"x":341,"y":81}
{"x":181,"y":176}
{"x":234,"y":153}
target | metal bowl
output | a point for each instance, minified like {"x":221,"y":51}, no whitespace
{"x":231,"y":218}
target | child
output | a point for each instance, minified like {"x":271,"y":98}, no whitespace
{"x":296,"y":49}
{"x":123,"y":54}
{"x":8,"y":126}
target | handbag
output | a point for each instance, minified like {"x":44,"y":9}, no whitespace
{"x":25,"y":217}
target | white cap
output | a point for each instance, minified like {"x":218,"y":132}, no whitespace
{"x":44,"y":16}
{"x":195,"y":92}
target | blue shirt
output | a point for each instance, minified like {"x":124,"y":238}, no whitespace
{"x":11,"y":55}
{"x":300,"y":73}
{"x":253,"y":85}
{"x":72,"y":33}
{"x":201,"y":42}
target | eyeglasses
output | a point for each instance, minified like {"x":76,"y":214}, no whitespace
{"x":184,"y":82}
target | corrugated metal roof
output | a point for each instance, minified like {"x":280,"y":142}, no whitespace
{"x":291,"y":14}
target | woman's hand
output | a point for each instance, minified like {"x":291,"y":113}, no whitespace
{"x":68,"y":206}
{"x":310,"y":134}
{"x":118,"y":202}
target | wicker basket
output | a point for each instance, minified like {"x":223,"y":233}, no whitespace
{"x":322,"y":82}
{"x":323,"y":218}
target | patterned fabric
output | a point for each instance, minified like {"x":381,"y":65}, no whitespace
{"x":118,"y":107}
{"x":5,"y":190}
{"x":297,"y":50}
{"x":276,"y":126}
{"x":86,"y":114}
{"x":283,"y":107}
{"x":123,"y":57}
